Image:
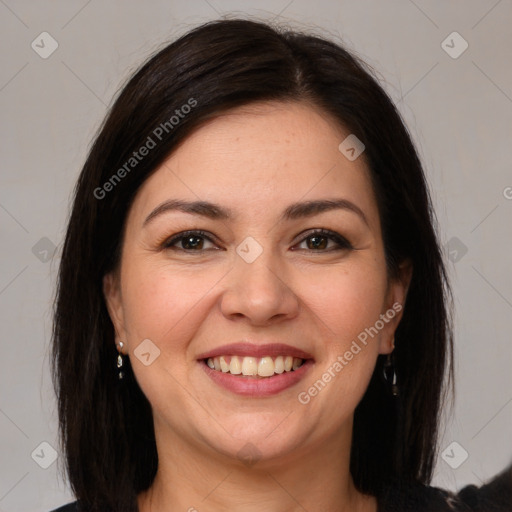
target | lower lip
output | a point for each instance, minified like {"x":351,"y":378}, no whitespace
{"x":257,"y":387}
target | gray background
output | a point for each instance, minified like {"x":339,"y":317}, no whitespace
{"x":459,"y":112}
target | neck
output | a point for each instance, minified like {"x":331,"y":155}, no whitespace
{"x":315,"y":478}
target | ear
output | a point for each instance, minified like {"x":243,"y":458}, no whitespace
{"x":394,"y":305}
{"x":112,"y":294}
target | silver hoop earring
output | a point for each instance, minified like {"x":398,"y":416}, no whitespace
{"x":120,"y":360}
{"x":390,"y":375}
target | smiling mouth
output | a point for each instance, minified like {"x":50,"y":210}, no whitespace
{"x":254,"y":367}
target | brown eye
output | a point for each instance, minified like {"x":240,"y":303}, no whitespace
{"x":318,"y":241}
{"x":191,"y":241}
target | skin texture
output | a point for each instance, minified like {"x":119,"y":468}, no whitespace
{"x":255,"y":160}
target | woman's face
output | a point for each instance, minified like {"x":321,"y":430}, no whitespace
{"x":258,"y":277}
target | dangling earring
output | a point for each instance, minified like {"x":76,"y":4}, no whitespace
{"x":120,"y":360}
{"x":390,"y":373}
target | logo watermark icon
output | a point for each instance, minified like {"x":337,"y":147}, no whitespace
{"x":147,"y":352}
{"x":44,"y":249}
{"x":249,"y":454}
{"x":454,"y":455}
{"x":454,"y":45}
{"x":456,"y":249}
{"x":351,"y":147}
{"x":44,"y":455}
{"x":44,"y":45}
{"x":249,"y":249}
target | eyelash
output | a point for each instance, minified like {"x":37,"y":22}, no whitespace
{"x":342,"y":242}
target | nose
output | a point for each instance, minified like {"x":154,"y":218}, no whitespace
{"x":259,"y":291}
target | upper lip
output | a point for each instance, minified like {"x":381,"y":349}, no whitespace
{"x":255,"y":350}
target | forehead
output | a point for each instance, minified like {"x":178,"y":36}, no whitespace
{"x":259,"y":158}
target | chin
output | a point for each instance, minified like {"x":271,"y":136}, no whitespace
{"x":257,"y":437}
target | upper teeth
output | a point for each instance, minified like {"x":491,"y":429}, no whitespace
{"x":263,"y":367}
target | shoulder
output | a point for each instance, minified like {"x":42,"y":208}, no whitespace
{"x":495,"y":496}
{"x":415,"y":497}
{"x":70,"y":507}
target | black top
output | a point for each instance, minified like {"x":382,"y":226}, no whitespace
{"x":495,"y":496}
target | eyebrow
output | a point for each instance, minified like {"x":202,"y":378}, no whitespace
{"x":292,"y":212}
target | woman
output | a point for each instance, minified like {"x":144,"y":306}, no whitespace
{"x":252,"y":309}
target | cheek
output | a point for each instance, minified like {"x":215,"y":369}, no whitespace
{"x":165,"y":306}
{"x":346,"y":364}
{"x":348,"y":299}
{"x":348,"y":302}
{"x":163,"y":303}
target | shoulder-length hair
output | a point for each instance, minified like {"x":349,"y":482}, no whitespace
{"x":106,"y":425}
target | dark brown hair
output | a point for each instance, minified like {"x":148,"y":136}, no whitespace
{"x":106,"y":427}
